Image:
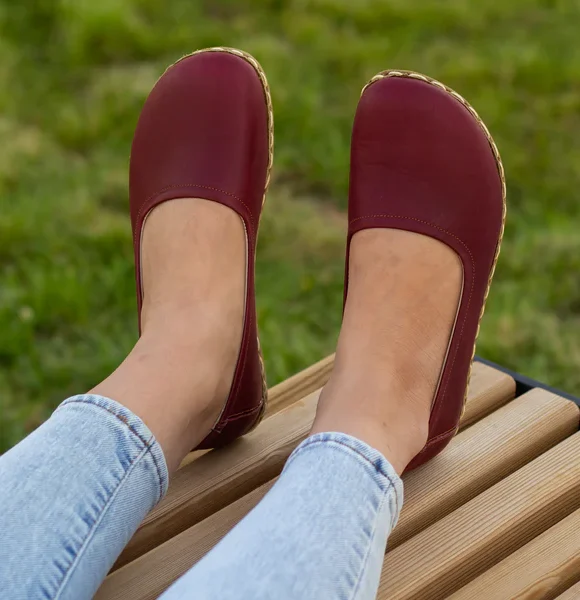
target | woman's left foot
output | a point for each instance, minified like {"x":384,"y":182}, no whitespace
{"x":426,"y":217}
{"x":392,"y":341}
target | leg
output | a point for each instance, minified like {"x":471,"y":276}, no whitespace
{"x":76,"y":489}
{"x":322,"y":530}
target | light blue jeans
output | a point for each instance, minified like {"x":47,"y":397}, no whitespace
{"x":74,"y":492}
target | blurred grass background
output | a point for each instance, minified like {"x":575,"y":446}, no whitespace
{"x":74,"y":74}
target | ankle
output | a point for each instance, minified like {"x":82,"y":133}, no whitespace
{"x":173,"y":391}
{"x":393,"y":419}
{"x":175,"y":380}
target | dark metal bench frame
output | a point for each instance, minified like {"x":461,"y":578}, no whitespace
{"x":525,"y":384}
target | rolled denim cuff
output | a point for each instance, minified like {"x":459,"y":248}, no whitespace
{"x":378,"y":468}
{"x":130,"y":429}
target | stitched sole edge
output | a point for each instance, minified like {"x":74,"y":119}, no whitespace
{"x":420,"y":77}
{"x":268,"y":98}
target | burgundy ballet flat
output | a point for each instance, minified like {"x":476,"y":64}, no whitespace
{"x":423,"y":161}
{"x":206,"y":131}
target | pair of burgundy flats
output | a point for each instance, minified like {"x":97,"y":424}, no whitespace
{"x":421,"y":160}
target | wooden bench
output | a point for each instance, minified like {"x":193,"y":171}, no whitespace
{"x":496,"y":516}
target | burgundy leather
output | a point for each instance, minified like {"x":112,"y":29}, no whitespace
{"x":205,"y":132}
{"x":420,"y":161}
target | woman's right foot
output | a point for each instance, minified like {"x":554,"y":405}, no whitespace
{"x":200,"y":166}
{"x":426,"y":213}
{"x":179,"y":373}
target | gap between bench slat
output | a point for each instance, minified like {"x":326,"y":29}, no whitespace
{"x":487,"y":452}
{"x":446,"y":556}
{"x":518,"y":432}
{"x":545,"y":567}
{"x":220,"y":477}
{"x":572,"y":594}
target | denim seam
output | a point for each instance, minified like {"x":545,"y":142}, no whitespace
{"x":147,"y":444}
{"x":372,"y":537}
{"x":98,"y":521}
{"x":366,"y":459}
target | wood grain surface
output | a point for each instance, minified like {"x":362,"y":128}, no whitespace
{"x":541,"y":570}
{"x":572,"y":594}
{"x":481,"y":456}
{"x":441,"y":559}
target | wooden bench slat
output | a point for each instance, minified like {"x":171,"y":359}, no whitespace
{"x":446,"y":556}
{"x":481,"y":456}
{"x":546,"y":566}
{"x":488,"y":390}
{"x":220,"y":477}
{"x":299,"y":386}
{"x":520,"y":431}
{"x":572,"y":594}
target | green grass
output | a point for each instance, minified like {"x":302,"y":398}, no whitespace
{"x":74,"y":74}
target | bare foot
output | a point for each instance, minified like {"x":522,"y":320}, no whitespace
{"x":178,"y":376}
{"x":404,"y":289}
